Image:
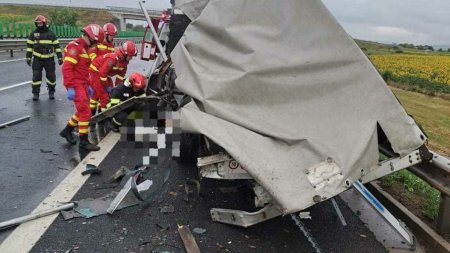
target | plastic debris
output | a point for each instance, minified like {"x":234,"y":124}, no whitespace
{"x":199,"y":230}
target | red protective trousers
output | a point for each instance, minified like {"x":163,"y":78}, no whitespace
{"x":82,"y":113}
{"x":100,"y":91}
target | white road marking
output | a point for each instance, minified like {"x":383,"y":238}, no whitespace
{"x":14,"y":85}
{"x":25,"y":236}
{"x":21,"y":59}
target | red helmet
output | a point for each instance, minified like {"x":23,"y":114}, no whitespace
{"x":110,"y":29}
{"x":128,"y":48}
{"x":137,"y":80}
{"x":94,"y":32}
{"x":40,"y":19}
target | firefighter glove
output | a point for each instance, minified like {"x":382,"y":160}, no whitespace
{"x":60,"y":61}
{"x":109,"y":89}
{"x":29,"y":61}
{"x":70,"y":93}
{"x":90,"y":91}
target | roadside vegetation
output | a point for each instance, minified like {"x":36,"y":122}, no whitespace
{"x":25,"y":14}
{"x":420,"y":77}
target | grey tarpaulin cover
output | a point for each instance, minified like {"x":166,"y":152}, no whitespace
{"x":282,"y":87}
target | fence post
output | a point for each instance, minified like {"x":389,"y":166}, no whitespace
{"x":1,"y":30}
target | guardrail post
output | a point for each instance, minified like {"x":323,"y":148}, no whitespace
{"x":1,"y":30}
{"x":443,"y":221}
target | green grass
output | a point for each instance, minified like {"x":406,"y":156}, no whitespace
{"x":413,"y":184}
{"x":433,"y":114}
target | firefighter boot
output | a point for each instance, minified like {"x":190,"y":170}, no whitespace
{"x":35,"y":96}
{"x":86,"y":145}
{"x":67,"y":134}
{"x":51,"y":94}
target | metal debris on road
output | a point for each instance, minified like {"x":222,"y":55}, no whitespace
{"x":33,"y":216}
{"x":91,"y":169}
{"x":120,"y":173}
{"x":188,"y":239}
{"x":45,"y":151}
{"x":15,"y":121}
{"x":199,"y":230}
{"x":304,"y":215}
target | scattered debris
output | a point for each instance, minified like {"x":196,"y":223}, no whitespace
{"x":33,"y":216}
{"x":62,"y":168}
{"x":305,"y":215}
{"x":173,"y":193}
{"x":45,"y":151}
{"x":120,"y":196}
{"x":105,"y":186}
{"x":363,"y":235}
{"x":338,"y":212}
{"x":199,"y":230}
{"x":252,"y":246}
{"x":191,"y":188}
{"x":167,"y":209}
{"x":91,"y":169}
{"x":120,"y":173}
{"x":15,"y":121}
{"x":88,"y":208}
{"x":188,"y":239}
{"x":163,"y":226}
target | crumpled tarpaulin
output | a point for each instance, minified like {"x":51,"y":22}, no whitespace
{"x":282,"y":87}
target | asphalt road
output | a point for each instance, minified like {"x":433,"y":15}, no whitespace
{"x":138,"y":228}
{"x":33,"y":158}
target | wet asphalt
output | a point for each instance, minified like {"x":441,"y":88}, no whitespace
{"x":34,"y":159}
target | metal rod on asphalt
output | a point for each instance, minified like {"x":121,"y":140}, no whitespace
{"x":338,"y":212}
{"x":306,"y":232}
{"x":15,"y":121}
{"x":20,"y":220}
{"x":155,"y":35}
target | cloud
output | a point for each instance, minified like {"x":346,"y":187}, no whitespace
{"x":392,"y":31}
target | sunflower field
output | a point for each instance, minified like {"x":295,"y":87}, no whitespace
{"x":429,"y":72}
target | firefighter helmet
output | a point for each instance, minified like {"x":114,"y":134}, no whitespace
{"x":128,"y":48}
{"x":110,"y":29}
{"x":94,"y":32}
{"x":137,"y":80}
{"x":40,"y":19}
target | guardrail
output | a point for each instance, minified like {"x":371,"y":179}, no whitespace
{"x":436,"y":172}
{"x":12,"y":45}
{"x":13,"y":30}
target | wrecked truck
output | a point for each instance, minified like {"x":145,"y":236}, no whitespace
{"x":278,"y":95}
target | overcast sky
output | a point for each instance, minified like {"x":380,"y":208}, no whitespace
{"x":388,"y":21}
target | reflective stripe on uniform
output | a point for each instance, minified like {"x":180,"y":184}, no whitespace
{"x":37,"y":83}
{"x":83,"y":123}
{"x":29,"y":49}
{"x":84,"y":56}
{"x":58,"y":50}
{"x":43,"y":55}
{"x":55,"y":42}
{"x":118,"y":68}
{"x":114,"y":101}
{"x":46,"y":42}
{"x":51,"y":83}
{"x":103,"y":78}
{"x":73,"y":123}
{"x":120,"y":77}
{"x":70,"y":59}
{"x":93,"y":67}
{"x":75,"y":117}
{"x":111,"y":49}
{"x":82,"y":130}
{"x":92,"y":56}
{"x":100,"y":46}
{"x":30,"y":42}
{"x":115,"y":121}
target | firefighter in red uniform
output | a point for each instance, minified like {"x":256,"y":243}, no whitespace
{"x":133,"y":86}
{"x":100,"y":49}
{"x":75,"y":72}
{"x":104,"y":67}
